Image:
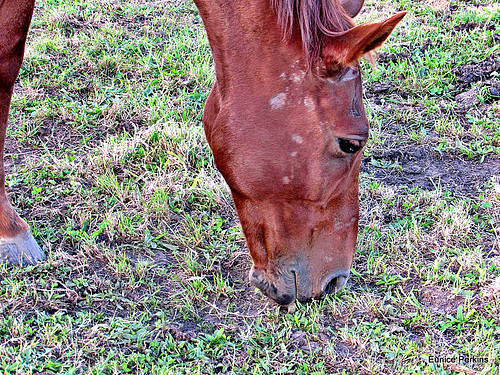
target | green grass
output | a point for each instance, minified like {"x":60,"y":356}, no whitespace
{"x":147,"y":266}
{"x":430,"y":45}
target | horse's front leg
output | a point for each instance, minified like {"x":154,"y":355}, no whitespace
{"x":17,"y":245}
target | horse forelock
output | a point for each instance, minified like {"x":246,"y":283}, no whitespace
{"x":316,"y":19}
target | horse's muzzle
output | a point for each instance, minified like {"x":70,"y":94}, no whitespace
{"x":287,"y":287}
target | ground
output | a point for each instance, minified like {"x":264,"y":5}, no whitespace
{"x":147,"y":267}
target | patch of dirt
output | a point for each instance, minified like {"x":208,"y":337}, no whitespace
{"x":54,"y":135}
{"x":468,"y":26}
{"x":481,"y":71}
{"x":469,"y":98}
{"x":439,"y":299}
{"x":421,"y":166}
{"x":472,"y":26}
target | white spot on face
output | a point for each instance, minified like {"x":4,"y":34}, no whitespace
{"x":298,"y":76}
{"x":278,"y":100}
{"x":297,"y":138}
{"x":293,"y":154}
{"x":286,"y":180}
{"x":308,"y":102}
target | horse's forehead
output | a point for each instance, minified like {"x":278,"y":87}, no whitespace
{"x":294,"y":73}
{"x":326,"y":98}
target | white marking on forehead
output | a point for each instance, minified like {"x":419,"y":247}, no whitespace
{"x":298,"y":77}
{"x":297,"y":138}
{"x":294,"y":75}
{"x":278,"y":100}
{"x":308,"y":102}
{"x":286,"y":180}
{"x":293,"y":154}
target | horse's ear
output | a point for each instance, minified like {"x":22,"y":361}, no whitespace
{"x":348,"y":47}
{"x":352,"y":7}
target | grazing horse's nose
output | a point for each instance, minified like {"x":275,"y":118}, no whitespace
{"x":282,"y":289}
{"x":335,"y":282}
{"x":297,"y":284}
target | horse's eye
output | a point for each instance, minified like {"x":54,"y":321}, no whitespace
{"x":348,"y":74}
{"x":349,"y":146}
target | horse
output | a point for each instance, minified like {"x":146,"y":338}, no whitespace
{"x":285,"y":122}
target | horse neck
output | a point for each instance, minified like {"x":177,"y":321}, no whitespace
{"x":246,"y":41}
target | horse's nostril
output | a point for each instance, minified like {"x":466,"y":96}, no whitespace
{"x":285,"y":299}
{"x":335,"y":284}
{"x":281,"y":290}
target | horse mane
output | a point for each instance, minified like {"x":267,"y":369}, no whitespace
{"x":316,"y":19}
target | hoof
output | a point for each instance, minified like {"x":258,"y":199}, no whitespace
{"x":21,"y":250}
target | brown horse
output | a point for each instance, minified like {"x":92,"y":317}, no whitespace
{"x":285,"y":122}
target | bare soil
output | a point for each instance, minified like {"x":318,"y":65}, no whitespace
{"x":423,"y":167}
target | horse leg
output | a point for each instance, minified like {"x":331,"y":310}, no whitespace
{"x":17,"y":245}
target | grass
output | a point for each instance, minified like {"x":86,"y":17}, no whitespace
{"x":147,"y":266}
{"x":424,"y":61}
